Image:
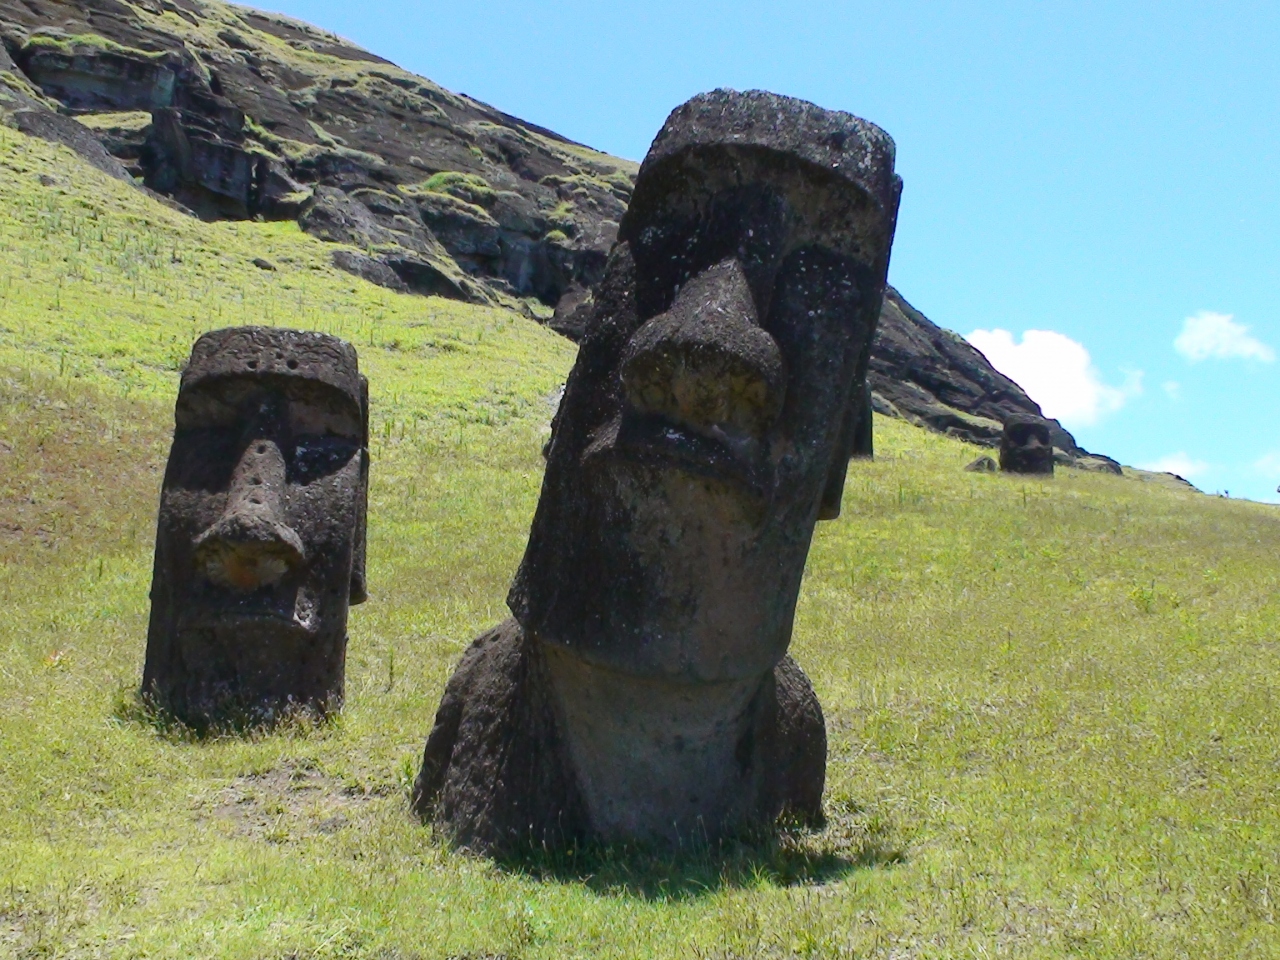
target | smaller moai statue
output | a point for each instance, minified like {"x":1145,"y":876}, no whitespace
{"x":260,"y":540}
{"x":1025,"y":447}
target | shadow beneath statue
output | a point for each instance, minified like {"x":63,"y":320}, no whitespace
{"x":787,"y":855}
{"x":239,"y":722}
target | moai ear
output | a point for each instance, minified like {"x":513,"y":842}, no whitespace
{"x":833,"y":491}
{"x":864,"y":446}
{"x":359,"y":585}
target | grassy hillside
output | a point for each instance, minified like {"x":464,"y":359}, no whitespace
{"x":1053,"y":706}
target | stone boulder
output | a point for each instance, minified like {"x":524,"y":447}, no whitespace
{"x":983,"y":465}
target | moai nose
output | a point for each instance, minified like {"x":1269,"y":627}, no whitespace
{"x":706,"y":363}
{"x":250,"y":546}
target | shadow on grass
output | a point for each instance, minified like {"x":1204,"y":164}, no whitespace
{"x":787,"y":855}
{"x":136,"y":709}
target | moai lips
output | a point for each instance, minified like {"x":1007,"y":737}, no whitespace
{"x":1026,"y":447}
{"x":260,"y":540}
{"x":643,"y":691}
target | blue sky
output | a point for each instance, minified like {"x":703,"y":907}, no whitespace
{"x":1092,"y":190}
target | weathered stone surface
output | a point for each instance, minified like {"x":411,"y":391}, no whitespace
{"x":99,"y":79}
{"x":38,"y":121}
{"x":922,"y":373}
{"x":497,"y":769}
{"x":367,"y":268}
{"x":643,"y":690}
{"x":194,"y":150}
{"x":863,"y":433}
{"x":334,"y":215}
{"x":22,"y":107}
{"x":260,"y":542}
{"x":1025,"y":447}
{"x":1093,"y":462}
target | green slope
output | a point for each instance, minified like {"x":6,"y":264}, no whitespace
{"x":1052,"y":705}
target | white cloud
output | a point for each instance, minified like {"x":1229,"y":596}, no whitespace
{"x":1057,"y":373}
{"x":1269,"y":465}
{"x":1172,"y":388}
{"x":1217,"y":335}
{"x":1178,"y":463}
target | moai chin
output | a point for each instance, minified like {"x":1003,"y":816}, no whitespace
{"x":642,"y":690}
{"x":1026,"y":447}
{"x":260,"y":541}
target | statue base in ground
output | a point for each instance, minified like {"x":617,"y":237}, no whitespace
{"x":518,"y":756}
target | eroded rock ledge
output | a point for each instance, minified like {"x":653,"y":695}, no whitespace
{"x":235,"y":113}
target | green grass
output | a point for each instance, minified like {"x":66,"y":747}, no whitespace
{"x":1052,"y":705}
{"x":470,"y":187}
{"x":70,"y":44}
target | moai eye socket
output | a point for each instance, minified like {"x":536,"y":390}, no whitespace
{"x":316,"y":456}
{"x":323,"y":413}
{"x":215,"y":404}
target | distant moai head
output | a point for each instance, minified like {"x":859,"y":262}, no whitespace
{"x":710,"y":416}
{"x":1026,"y":447}
{"x":260,"y":542}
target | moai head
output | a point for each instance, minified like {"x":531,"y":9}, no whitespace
{"x":1025,"y":446}
{"x":260,"y":542}
{"x":711,"y":413}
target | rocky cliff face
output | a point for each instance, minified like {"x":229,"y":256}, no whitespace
{"x":937,"y":379}
{"x":235,"y":113}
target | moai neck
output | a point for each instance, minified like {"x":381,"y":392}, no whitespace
{"x":655,"y":758}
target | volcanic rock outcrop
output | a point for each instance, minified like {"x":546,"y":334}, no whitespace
{"x":643,"y":690}
{"x":236,"y":113}
{"x":260,"y":542}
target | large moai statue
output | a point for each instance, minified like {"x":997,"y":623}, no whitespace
{"x":1026,"y":447}
{"x":260,"y":542}
{"x":643,"y":689}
